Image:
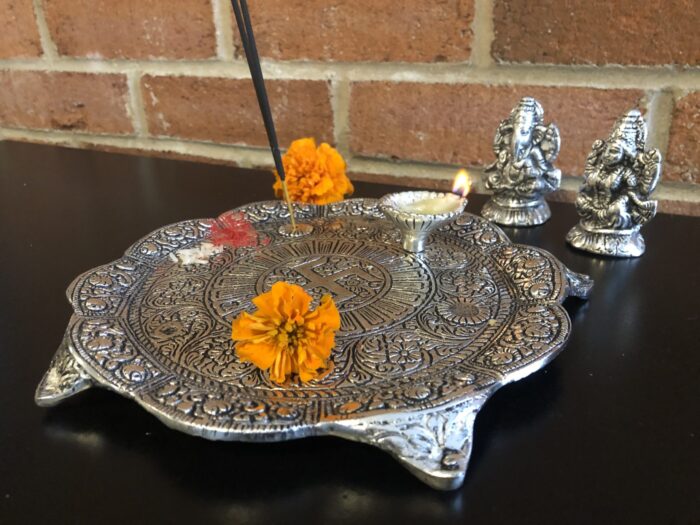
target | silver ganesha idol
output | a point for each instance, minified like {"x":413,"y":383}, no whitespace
{"x":614,"y":201}
{"x":523,"y":172}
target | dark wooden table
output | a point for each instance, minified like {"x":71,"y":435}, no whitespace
{"x":607,"y":433}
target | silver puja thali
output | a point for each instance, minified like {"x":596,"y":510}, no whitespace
{"x":425,"y":338}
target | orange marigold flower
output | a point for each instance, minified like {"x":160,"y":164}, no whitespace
{"x":314,"y":175}
{"x":284,"y":336}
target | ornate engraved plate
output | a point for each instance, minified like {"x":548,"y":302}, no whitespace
{"x":425,"y":338}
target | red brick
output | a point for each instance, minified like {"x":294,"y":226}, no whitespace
{"x":683,"y":156}
{"x":455,"y":124}
{"x":226,"y":110}
{"x":94,"y":103}
{"x":364,"y":30}
{"x":584,"y":32}
{"x":132,"y":28}
{"x":19,"y":36}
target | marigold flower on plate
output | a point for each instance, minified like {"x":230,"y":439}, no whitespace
{"x":314,"y":175}
{"x":284,"y":335}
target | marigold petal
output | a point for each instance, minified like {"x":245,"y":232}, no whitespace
{"x":270,"y":303}
{"x":262,"y":355}
{"x":312,"y":362}
{"x":297,"y":300}
{"x":323,"y":344}
{"x":281,"y":368}
{"x":307,"y":374}
{"x":302,"y":148}
{"x":277,"y":186}
{"x":328,"y":313}
{"x":323,"y":188}
{"x":248,"y":326}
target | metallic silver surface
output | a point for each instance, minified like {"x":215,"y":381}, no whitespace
{"x":523,"y":172}
{"x":415,"y":227}
{"x":64,"y":379}
{"x":614,"y":200}
{"x":287,"y":230}
{"x":425,"y":338}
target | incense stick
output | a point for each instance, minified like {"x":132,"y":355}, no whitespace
{"x":245,"y":28}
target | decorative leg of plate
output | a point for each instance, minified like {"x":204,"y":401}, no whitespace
{"x":64,"y":379}
{"x":579,"y":284}
{"x":434,"y":445}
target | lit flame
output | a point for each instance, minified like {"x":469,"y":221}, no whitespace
{"x":462,"y":183}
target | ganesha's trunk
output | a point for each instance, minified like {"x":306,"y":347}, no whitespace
{"x":521,"y":149}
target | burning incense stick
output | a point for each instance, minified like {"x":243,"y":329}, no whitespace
{"x":245,"y":28}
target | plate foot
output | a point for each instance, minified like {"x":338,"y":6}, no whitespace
{"x":434,"y":445}
{"x":64,"y":379}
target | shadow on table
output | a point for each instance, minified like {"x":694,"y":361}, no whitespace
{"x":328,"y":474}
{"x":331,"y":475}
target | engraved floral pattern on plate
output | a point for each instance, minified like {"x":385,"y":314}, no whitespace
{"x":419,"y":332}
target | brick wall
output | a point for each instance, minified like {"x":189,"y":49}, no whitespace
{"x":408,"y":89}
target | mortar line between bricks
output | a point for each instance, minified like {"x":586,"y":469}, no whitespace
{"x":259,"y":157}
{"x":340,"y":104}
{"x":135,"y":107}
{"x":221,"y":11}
{"x":414,"y":170}
{"x":483,"y":31}
{"x":48,"y":46}
{"x":610,"y":77}
{"x":659,"y":117}
{"x":243,"y":155}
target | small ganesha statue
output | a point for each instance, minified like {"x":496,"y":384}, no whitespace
{"x":523,"y":173}
{"x":614,"y":202}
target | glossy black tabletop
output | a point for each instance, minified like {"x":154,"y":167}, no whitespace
{"x":609,"y":432}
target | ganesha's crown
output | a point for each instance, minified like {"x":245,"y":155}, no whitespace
{"x":528,"y":105}
{"x":631,"y":131}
